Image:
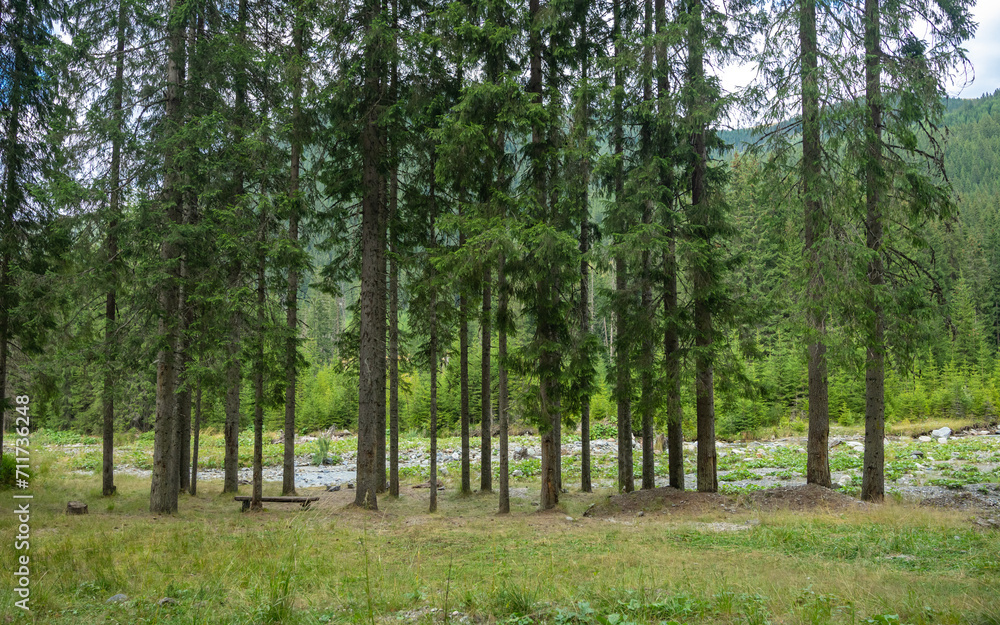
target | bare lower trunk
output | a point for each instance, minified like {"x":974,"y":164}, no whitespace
{"x":463,"y":367}
{"x":502,"y":386}
{"x":194,"y":448}
{"x":549,"y":395}
{"x":626,"y":478}
{"x":433,"y":425}
{"x":585,"y":484}
{"x":108,"y":398}
{"x":184,"y":434}
{"x":672,"y":370}
{"x":705,"y":406}
{"x":231,"y":434}
{"x":258,"y":395}
{"x":393,"y":356}
{"x":486,"y":441}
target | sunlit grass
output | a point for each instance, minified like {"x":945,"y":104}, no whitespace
{"x":292,"y":566}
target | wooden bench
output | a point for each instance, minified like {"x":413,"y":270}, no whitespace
{"x":305,"y":501}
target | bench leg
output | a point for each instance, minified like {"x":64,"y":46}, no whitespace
{"x":246,"y":506}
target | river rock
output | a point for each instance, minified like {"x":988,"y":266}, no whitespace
{"x":925,"y":439}
{"x":944,"y":432}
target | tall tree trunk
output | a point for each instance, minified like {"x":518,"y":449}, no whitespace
{"x":672,"y":368}
{"x":463,"y":368}
{"x":502,"y":386}
{"x":12,"y":166}
{"x":231,"y":432}
{"x":671,"y":338}
{"x":583,"y":121}
{"x":585,"y":484}
{"x":194,"y":448}
{"x":381,"y":482}
{"x":394,"y":282}
{"x":433,"y":343}
{"x":623,"y":382}
{"x":184,"y":420}
{"x":184,"y":306}
{"x":371,"y":387}
{"x":623,"y":386}
{"x":433,"y":349}
{"x":291,"y":299}
{"x":258,"y":382}
{"x":234,"y":366}
{"x":110,"y":325}
{"x":873,"y":472}
{"x":486,"y":447}
{"x":393,"y":341}
{"x":702,"y":279}
{"x":647,"y":402}
{"x":546,"y":327}
{"x":163,"y":487}
{"x":818,"y":462}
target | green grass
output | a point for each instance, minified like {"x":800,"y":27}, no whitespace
{"x":303,"y":567}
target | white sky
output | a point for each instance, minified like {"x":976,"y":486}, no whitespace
{"x":983,"y":52}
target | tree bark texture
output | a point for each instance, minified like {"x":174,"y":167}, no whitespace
{"x":110,"y":308}
{"x":817,"y":461}
{"x":873,"y":471}
{"x":504,"y":470}
{"x":164,"y":483}
{"x":372,"y":326}
{"x":394,"y":283}
{"x":463,"y":375}
{"x":194,"y":447}
{"x":231,"y":432}
{"x":585,"y":483}
{"x":258,"y":386}
{"x":486,"y":434}
{"x":623,"y":387}
{"x":647,"y":402}
{"x":702,"y":278}
{"x":291,"y":298}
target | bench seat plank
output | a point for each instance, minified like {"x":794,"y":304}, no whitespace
{"x":305,"y":501}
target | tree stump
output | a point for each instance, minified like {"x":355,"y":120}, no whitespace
{"x":76,"y":507}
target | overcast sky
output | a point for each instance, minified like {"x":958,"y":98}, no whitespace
{"x":984,"y":53}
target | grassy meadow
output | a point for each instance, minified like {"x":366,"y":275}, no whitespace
{"x":723,"y":560}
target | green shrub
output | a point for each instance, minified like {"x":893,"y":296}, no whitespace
{"x":601,"y":430}
{"x":8,"y":469}
{"x":322,"y":449}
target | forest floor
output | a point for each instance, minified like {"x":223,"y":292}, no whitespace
{"x":789,"y":554}
{"x":964,"y":466}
